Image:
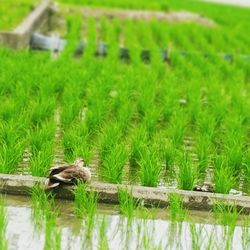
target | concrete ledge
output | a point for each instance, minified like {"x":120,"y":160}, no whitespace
{"x":20,"y":37}
{"x":108,"y":193}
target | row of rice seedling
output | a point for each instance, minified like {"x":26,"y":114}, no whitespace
{"x":186,"y":37}
{"x":153,"y":120}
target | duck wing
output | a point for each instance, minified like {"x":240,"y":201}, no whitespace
{"x":66,"y":175}
{"x":52,"y":184}
{"x":58,"y":169}
{"x":84,"y":176}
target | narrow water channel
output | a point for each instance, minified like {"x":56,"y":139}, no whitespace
{"x":158,"y":233}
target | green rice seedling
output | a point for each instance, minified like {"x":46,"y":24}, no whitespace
{"x":12,"y":145}
{"x":9,"y":132}
{"x":168,"y":102}
{"x":147,"y":238}
{"x":177,"y":212}
{"x":3,"y":223}
{"x":40,"y":203}
{"x":206,"y":125}
{"x":211,"y":245}
{"x":234,"y":152}
{"x":89,"y":224}
{"x":194,"y":103}
{"x":145,"y":99}
{"x":85,"y":201}
{"x":124,"y":116}
{"x":85,"y":151}
{"x":70,"y":143}
{"x":139,"y":141}
{"x":111,"y":136}
{"x":10,"y":155}
{"x":72,"y":101}
{"x":187,"y":173}
{"x":246,"y":165}
{"x":103,"y":240}
{"x":169,"y":152}
{"x":95,"y":114}
{"x":76,"y":143}
{"x":113,"y":164}
{"x":177,"y":128}
{"x":245,"y":236}
{"x":45,"y":215}
{"x":40,"y":136}
{"x":74,"y":26}
{"x":145,"y":102}
{"x":121,"y":108}
{"x":146,"y":213}
{"x":91,"y":39}
{"x":150,"y":120}
{"x":39,"y":197}
{"x":40,"y":163}
{"x":127,"y":203}
{"x":150,"y":168}
{"x":42,"y":110}
{"x":224,"y":179}
{"x":70,"y":111}
{"x":52,"y":233}
{"x":196,"y":232}
{"x":203,"y":145}
{"x":226,"y":214}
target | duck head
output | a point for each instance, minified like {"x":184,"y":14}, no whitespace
{"x":79,"y":162}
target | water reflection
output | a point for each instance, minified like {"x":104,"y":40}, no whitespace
{"x":112,"y":231}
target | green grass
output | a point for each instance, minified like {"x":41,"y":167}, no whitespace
{"x":19,"y":9}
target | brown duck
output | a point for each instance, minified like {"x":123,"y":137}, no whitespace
{"x":69,"y":174}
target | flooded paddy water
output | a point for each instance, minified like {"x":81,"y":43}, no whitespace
{"x":150,"y":229}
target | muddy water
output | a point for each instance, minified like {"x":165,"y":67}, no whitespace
{"x":22,"y":232}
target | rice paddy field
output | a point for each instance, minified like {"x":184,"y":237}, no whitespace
{"x":174,"y":112}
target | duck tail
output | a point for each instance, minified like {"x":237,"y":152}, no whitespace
{"x":52,"y":185}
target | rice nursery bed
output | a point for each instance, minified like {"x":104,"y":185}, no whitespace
{"x":155,"y":124}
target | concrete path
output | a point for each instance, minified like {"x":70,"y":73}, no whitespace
{"x":243,"y":3}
